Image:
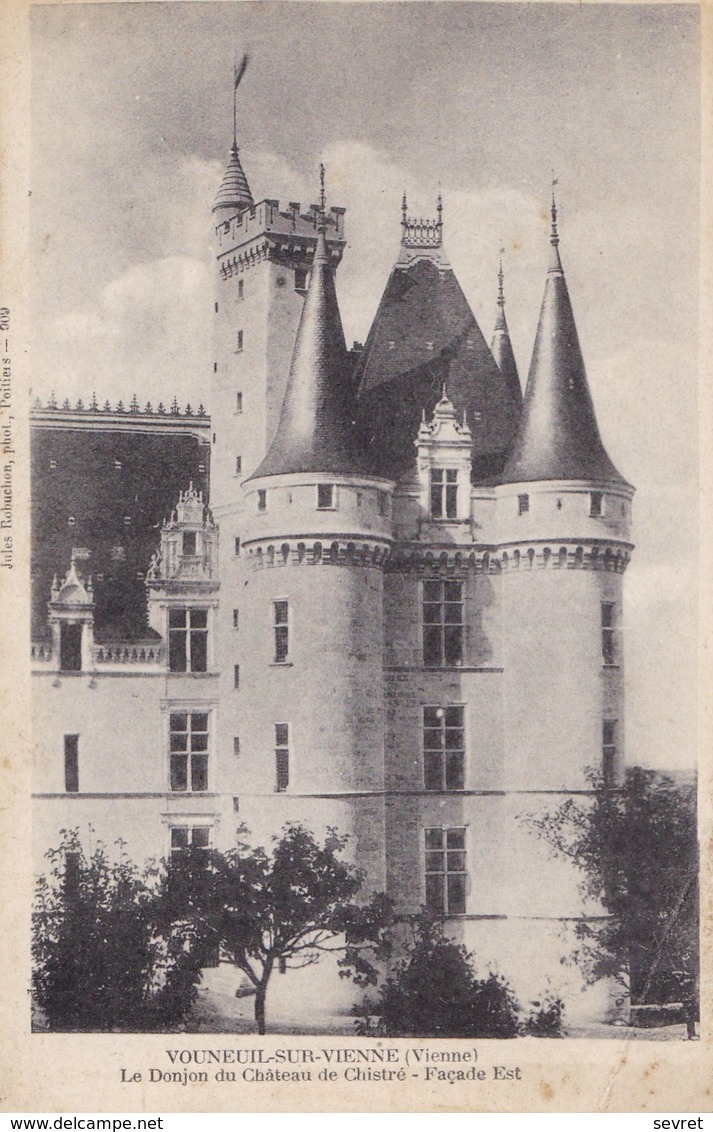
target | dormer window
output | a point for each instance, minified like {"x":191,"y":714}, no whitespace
{"x":325,"y":496}
{"x":189,"y":542}
{"x":444,"y":493}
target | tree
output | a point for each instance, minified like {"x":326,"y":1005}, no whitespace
{"x":98,"y":960}
{"x":434,"y":993}
{"x":283,"y":909}
{"x":637,"y":849}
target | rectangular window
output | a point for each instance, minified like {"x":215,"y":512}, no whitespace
{"x":239,"y":342}
{"x":236,"y":745}
{"x":236,"y":676}
{"x":238,"y":465}
{"x":443,"y":748}
{"x":238,"y":402}
{"x":188,"y":744}
{"x":596,"y":504}
{"x":189,"y":542}
{"x":325,"y":496}
{"x":189,"y":837}
{"x":70,"y":647}
{"x":188,"y":640}
{"x":262,"y":499}
{"x":523,"y":504}
{"x":71,"y":764}
{"x":443,"y":611}
{"x":445,"y":872}
{"x":608,"y":650}
{"x":608,"y":750}
{"x":282,"y":756}
{"x":444,"y":493}
{"x":300,"y":279}
{"x":236,"y":618}
{"x":383,"y":497}
{"x":280,"y":624}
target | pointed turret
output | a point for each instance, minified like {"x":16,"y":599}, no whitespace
{"x":316,"y":429}
{"x":558,"y":437}
{"x":501,"y":346}
{"x":234,"y":192}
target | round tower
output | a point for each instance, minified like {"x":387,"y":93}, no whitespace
{"x":317,"y":530}
{"x":563,"y":530}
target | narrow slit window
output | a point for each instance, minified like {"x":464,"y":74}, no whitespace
{"x":71,"y":764}
{"x":523,"y":504}
{"x":238,"y":465}
{"x":282,"y":757}
{"x":239,"y":342}
{"x":262,"y":499}
{"x":238,"y":402}
{"x":281,"y":630}
{"x":608,"y":629}
{"x":609,"y":742}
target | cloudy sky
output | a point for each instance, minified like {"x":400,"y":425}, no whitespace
{"x":131,"y":126}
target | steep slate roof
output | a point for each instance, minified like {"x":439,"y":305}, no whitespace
{"x":501,"y":347}
{"x":316,"y":431}
{"x":117,"y":487}
{"x":234,"y":191}
{"x":558,"y":437}
{"x":425,"y":336}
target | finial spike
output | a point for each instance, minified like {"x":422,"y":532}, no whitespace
{"x":554,"y":238}
{"x":403,"y":208}
{"x":501,"y":277}
{"x":322,"y":194}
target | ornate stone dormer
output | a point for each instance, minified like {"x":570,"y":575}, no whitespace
{"x":188,"y":553}
{"x":71,"y":621}
{"x":444,"y":448}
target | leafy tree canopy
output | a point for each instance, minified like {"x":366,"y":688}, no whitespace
{"x":637,"y":849}
{"x":285,"y":908}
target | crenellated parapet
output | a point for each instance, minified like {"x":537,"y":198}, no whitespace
{"x":266,"y":231}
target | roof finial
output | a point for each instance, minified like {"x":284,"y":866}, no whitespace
{"x":322,"y":194}
{"x":554,"y":238}
{"x":403,"y":209}
{"x":501,"y":294}
{"x":439,"y":208}
{"x":238,"y":72}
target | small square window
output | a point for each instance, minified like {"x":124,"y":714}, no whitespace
{"x":523,"y":504}
{"x":325,"y":496}
{"x":262,"y":499}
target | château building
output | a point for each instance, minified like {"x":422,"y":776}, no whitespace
{"x":375,"y":589}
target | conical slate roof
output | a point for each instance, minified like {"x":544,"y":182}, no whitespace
{"x":316,"y":431}
{"x":425,"y":336}
{"x":234,"y":191}
{"x":501,"y":347}
{"x":558,"y":437}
